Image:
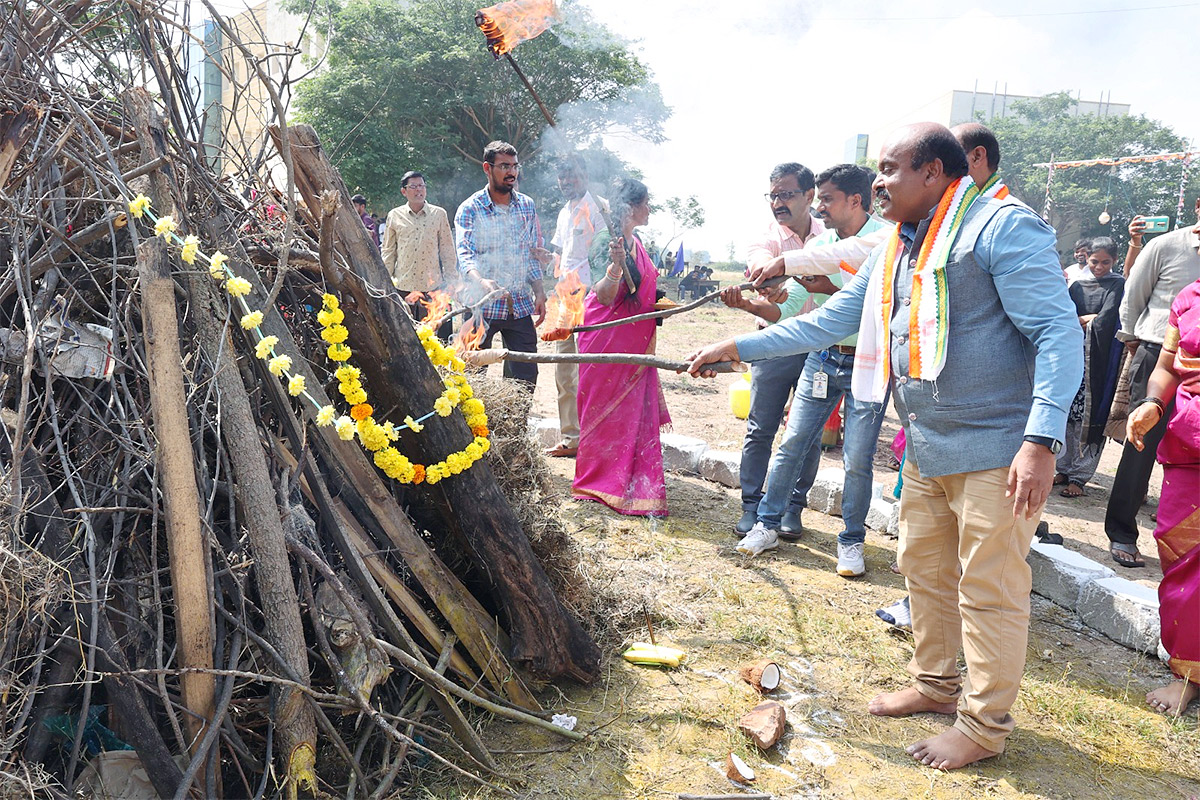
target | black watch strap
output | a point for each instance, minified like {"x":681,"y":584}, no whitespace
{"x":1053,"y":445}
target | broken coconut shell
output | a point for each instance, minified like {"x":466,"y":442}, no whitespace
{"x":738,"y":770}
{"x":764,"y":675}
{"x":764,"y":724}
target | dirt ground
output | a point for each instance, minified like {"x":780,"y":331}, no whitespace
{"x":1083,"y":729}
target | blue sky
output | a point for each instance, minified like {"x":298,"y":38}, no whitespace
{"x":756,"y":82}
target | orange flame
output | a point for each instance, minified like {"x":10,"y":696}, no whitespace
{"x":437,"y":305}
{"x":566,"y":309}
{"x":508,"y":24}
{"x":470,"y":336}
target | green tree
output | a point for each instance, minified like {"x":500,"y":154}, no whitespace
{"x":412,"y":86}
{"x":1049,"y":127}
{"x":687,"y":214}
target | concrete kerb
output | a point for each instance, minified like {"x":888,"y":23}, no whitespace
{"x":1122,"y":610}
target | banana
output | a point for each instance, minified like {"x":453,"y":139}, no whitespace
{"x":653,"y":655}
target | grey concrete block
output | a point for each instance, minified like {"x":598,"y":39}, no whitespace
{"x":826,"y":492}
{"x":1122,"y":610}
{"x":879,"y":515}
{"x":893,"y":527}
{"x":1060,"y":574}
{"x":546,"y":431}
{"x":721,"y":466}
{"x":682,"y":453}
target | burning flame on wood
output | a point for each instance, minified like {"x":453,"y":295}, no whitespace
{"x":470,"y":336}
{"x":437,"y":306}
{"x":508,"y":24}
{"x":566,"y":309}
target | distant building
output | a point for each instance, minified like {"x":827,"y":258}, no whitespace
{"x":955,"y":107}
{"x":856,"y":149}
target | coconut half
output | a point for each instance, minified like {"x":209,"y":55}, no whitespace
{"x":764,"y":675}
{"x":738,"y":770}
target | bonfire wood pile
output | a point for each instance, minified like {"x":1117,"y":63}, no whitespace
{"x":192,"y":568}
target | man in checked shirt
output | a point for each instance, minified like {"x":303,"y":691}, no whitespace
{"x":498,"y":239}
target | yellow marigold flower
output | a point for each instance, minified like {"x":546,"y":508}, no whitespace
{"x":295,"y":385}
{"x":338,"y":352}
{"x":191,"y":246}
{"x":335,"y":334}
{"x":138,"y":205}
{"x":453,"y":395}
{"x":164,"y":227}
{"x":424,"y":333}
{"x":357,"y":396}
{"x":330,"y":301}
{"x":371,"y":435}
{"x":477,"y":420}
{"x":279,"y":365}
{"x":344,"y":427}
{"x":389,"y":430}
{"x":216,"y":265}
{"x":473,"y":451}
{"x":472,"y":407}
{"x":252,"y":320}
{"x":346,"y":387}
{"x":238,"y":287}
{"x":431,"y":476}
{"x":413,"y":425}
{"x":443,"y":407}
{"x":330,"y":316}
{"x":263,"y":348}
{"x":484,"y":444}
{"x":325,"y":416}
{"x":346,"y":373}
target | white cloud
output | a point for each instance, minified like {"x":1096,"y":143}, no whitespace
{"x":756,"y":82}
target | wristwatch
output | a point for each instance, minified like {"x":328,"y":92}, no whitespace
{"x":1054,"y":445}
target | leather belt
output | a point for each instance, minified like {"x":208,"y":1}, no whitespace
{"x":844,"y":349}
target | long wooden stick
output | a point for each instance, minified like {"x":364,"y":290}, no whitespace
{"x":481,"y":358}
{"x":669,"y":312}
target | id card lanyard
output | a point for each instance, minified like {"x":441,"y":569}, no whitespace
{"x":821,"y":379}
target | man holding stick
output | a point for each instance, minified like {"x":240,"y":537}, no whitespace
{"x":962,"y":315}
{"x":498,"y":240}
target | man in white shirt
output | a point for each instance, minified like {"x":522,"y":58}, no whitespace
{"x":578,"y":221}
{"x":418,"y":247}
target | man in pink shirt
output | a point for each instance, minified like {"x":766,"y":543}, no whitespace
{"x":790,"y":198}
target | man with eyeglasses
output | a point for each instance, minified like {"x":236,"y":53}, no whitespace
{"x":790,"y":198}
{"x":498,"y":240}
{"x":418,"y":247}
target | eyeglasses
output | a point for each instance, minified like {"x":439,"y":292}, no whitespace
{"x":784,"y":196}
{"x":507,"y":167}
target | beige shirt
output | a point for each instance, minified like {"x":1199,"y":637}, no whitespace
{"x":418,"y":248}
{"x":1167,"y":264}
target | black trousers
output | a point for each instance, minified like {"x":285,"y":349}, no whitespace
{"x":444,"y":331}
{"x":1133,"y":473}
{"x":518,"y":334}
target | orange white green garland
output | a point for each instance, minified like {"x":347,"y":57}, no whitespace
{"x":374,"y":436}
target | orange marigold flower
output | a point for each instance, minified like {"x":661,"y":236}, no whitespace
{"x":418,"y":473}
{"x":361,"y":411}
{"x":480,"y":430}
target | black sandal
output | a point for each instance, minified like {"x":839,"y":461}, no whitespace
{"x":1126,"y":555}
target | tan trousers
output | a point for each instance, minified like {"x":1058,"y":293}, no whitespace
{"x":963,"y":556}
{"x":566,"y":378}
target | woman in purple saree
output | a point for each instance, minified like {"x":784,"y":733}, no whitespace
{"x":621,"y":407}
{"x":1177,"y":377}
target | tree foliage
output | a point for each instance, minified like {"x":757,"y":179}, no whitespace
{"x":1049,"y":128}
{"x":412,"y":86}
{"x":688,"y":214}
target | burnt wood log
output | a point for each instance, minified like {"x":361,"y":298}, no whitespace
{"x":546,"y":637}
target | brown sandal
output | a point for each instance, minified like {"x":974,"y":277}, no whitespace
{"x":561,"y":450}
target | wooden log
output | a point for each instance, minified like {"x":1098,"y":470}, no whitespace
{"x":16,"y":129}
{"x":546,"y":638}
{"x":481,"y":358}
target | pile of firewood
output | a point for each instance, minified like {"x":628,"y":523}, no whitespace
{"x":191,"y":567}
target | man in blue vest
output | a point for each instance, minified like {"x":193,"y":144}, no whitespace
{"x":962,"y":314}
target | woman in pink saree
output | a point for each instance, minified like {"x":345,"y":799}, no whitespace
{"x":621,"y":407}
{"x":1177,"y":377}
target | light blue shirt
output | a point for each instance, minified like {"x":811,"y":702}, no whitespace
{"x":1016,"y":249}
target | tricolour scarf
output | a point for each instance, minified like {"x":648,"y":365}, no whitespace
{"x":929,"y":315}
{"x":994,"y":188}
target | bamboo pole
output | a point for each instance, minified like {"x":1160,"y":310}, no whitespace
{"x":481,"y":358}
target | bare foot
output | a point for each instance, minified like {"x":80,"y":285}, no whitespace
{"x":905,"y":702}
{"x":950,"y":749}
{"x":1174,"y":697}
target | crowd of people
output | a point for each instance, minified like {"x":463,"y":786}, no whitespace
{"x":928,"y":285}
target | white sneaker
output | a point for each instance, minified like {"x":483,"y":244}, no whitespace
{"x":850,"y":560}
{"x":898,"y":614}
{"x":759,"y":540}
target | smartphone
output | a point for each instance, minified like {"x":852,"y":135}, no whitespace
{"x":1156,"y":224}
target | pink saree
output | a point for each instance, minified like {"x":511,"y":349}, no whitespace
{"x":1178,"y":530}
{"x":621,"y":407}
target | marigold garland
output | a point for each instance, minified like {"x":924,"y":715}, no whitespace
{"x":374,"y":436}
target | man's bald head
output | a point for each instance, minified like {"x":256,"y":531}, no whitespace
{"x":982,"y":149}
{"x":916,"y":165}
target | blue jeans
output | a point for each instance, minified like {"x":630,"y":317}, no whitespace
{"x":803,"y":438}
{"x":769,"y":390}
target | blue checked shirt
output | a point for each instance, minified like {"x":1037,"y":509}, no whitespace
{"x":499,"y":242}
